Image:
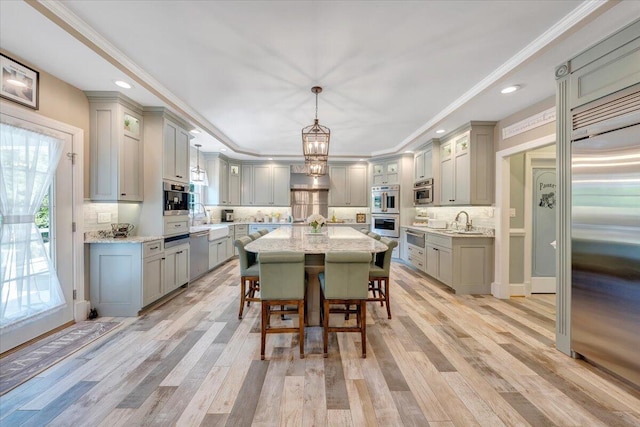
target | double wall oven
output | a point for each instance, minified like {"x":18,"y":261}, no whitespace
{"x":385,"y":210}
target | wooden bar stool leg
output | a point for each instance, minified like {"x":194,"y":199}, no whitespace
{"x":242,"y":292}
{"x":386,"y":296}
{"x":363,"y":327}
{"x":325,"y":327}
{"x":263,"y":331}
{"x":301,"y":326}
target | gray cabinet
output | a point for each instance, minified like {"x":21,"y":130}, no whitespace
{"x":386,"y":172}
{"x":116,"y":148}
{"x":152,"y":272}
{"x":234,"y":184}
{"x":176,"y":153}
{"x":467,"y":166}
{"x":423,"y":164}
{"x":265,"y":185}
{"x":125,"y":277}
{"x":239,"y":230}
{"x":218,"y":189}
{"x":176,"y":272}
{"x":439,"y":258}
{"x":348,"y":185}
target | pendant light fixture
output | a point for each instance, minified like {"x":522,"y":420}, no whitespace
{"x":198,"y":175}
{"x":315,"y":143}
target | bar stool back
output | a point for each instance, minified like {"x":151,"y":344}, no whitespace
{"x":379,"y":275}
{"x":263,"y":231}
{"x":373,"y":235}
{"x":281,"y":284}
{"x":255,"y":235}
{"x":345,"y":282}
{"x":249,"y":273}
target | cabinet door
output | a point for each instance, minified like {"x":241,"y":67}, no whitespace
{"x":445,"y":266}
{"x":169,"y":155}
{"x":378,"y":174}
{"x":281,"y":190}
{"x":234,"y":184}
{"x":224,"y":182}
{"x":152,"y":279}
{"x":432,"y":261}
{"x":447,"y":176}
{"x":222,"y":251}
{"x":357,"y":181}
{"x":262,"y":185}
{"x":213,"y":254}
{"x":338,"y":185}
{"x":182,"y":266}
{"x":391,"y":173}
{"x":230,"y":247}
{"x":418,"y":166}
{"x":182,"y":156}
{"x":427,"y":160}
{"x":170,"y":279}
{"x":131,"y":169}
{"x":247,"y":185}
{"x":462,"y":173}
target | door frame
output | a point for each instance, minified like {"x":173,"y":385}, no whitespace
{"x":79,"y":304}
{"x":531,"y":161}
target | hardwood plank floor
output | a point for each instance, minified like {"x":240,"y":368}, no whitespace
{"x":443,"y":360}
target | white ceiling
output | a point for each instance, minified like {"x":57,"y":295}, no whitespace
{"x":392,"y":71}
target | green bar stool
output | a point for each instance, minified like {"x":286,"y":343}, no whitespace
{"x":379,"y":275}
{"x":373,"y":235}
{"x":281,"y":283}
{"x":249,"y":273}
{"x":345,"y":282}
{"x":255,"y":235}
{"x":263,"y":231}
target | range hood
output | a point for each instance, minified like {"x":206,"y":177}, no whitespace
{"x":302,"y":181}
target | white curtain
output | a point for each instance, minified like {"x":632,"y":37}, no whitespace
{"x":30,"y":286}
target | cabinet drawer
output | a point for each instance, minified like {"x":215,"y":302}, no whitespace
{"x":417,"y":263}
{"x":415,"y":252}
{"x":152,"y":248}
{"x":176,"y":225}
{"x":242,"y":229}
{"x":436,"y":239}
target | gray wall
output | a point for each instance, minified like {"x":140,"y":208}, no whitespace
{"x":530,"y":135}
{"x":516,"y":243}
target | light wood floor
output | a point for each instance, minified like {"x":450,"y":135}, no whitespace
{"x":443,"y":360}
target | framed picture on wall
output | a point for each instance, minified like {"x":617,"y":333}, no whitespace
{"x":19,"y":83}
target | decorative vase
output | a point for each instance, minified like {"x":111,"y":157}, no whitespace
{"x":315,"y":229}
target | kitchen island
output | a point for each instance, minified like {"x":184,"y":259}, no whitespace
{"x":315,"y":245}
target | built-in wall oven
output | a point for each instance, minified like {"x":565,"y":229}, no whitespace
{"x":176,"y":199}
{"x":423,"y":192}
{"x":385,"y":199}
{"x":386,"y":225}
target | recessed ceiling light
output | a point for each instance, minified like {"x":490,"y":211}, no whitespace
{"x":270,"y":158}
{"x":194,"y":131}
{"x":440,"y":131}
{"x":223,"y":149}
{"x":408,"y":151}
{"x":123,"y":84}
{"x":361,"y":160}
{"x":510,"y":89}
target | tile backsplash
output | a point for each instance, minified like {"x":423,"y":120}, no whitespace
{"x":93,"y":211}
{"x":481,"y":216}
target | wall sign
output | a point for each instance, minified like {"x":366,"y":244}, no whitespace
{"x":19,"y":83}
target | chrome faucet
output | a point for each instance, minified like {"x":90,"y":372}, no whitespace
{"x":468,"y":224}
{"x":193,"y":216}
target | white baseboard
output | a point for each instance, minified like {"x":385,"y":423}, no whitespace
{"x":81,"y":310}
{"x":500,"y":291}
{"x":519,"y":290}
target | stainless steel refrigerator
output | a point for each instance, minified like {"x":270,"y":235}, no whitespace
{"x":605,"y":237}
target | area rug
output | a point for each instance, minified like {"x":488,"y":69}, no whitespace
{"x":18,"y":367}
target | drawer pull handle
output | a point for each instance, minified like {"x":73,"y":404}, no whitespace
{"x":179,"y":252}
{"x":155,"y":247}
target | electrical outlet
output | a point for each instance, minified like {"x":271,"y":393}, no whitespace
{"x":512,"y":212}
{"x":104,"y":217}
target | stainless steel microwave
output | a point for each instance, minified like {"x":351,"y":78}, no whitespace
{"x":423,"y":192}
{"x":176,"y":199}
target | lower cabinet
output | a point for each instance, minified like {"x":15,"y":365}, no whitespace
{"x":263,"y":226}
{"x":152,"y":279}
{"x":461,"y":262}
{"x":176,"y":267}
{"x":217,"y":252}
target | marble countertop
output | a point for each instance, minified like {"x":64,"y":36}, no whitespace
{"x":351,"y":224}
{"x":94,"y":238}
{"x":299,"y":239}
{"x":451,"y":233}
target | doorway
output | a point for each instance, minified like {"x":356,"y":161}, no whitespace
{"x":55,"y":222}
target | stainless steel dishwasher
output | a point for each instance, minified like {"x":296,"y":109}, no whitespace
{"x":199,"y":255}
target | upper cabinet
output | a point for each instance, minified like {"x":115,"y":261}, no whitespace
{"x":423,"y":163}
{"x":348,"y":185}
{"x":265,"y":185}
{"x":116,"y":147}
{"x":386,"y":172}
{"x":218,"y":175}
{"x":467,"y":166}
{"x":235,"y":184}
{"x":176,"y":153}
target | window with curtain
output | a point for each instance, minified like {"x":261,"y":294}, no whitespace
{"x":29,"y":285}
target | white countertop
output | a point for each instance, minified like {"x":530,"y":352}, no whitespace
{"x":299,"y":239}
{"x":91,"y":238}
{"x":451,"y":233}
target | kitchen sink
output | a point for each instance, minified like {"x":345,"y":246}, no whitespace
{"x":469,"y":233}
